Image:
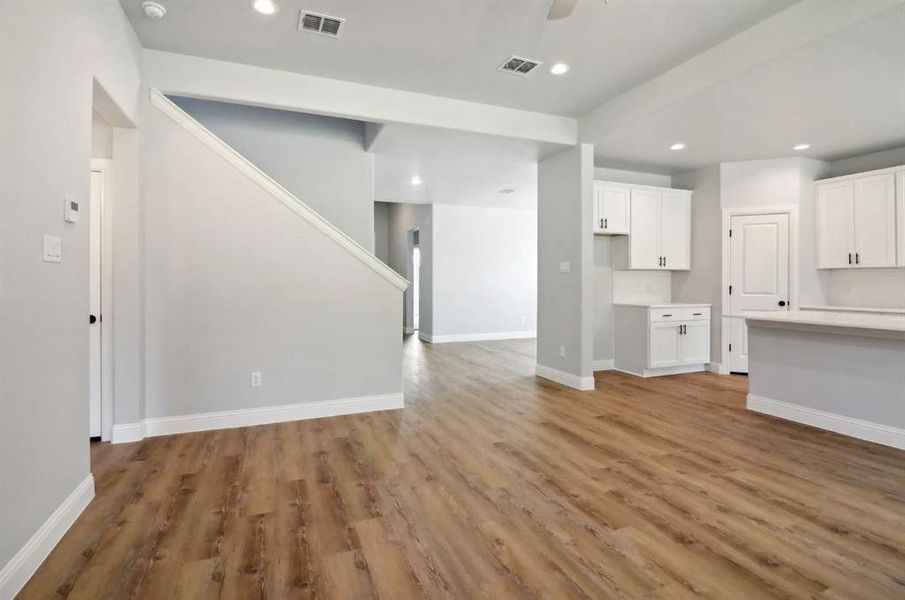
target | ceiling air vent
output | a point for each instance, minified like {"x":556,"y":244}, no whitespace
{"x":519,"y":66}
{"x":322,"y":24}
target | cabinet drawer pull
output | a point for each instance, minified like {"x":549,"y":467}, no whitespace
{"x":698,"y":314}
{"x":666,"y":315}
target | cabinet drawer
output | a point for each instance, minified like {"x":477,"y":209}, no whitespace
{"x":680,"y":314}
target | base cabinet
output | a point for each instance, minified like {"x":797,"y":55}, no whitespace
{"x":656,"y":340}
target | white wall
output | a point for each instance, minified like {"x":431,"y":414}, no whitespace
{"x":320,"y":160}
{"x":564,"y":234}
{"x":101,"y":136}
{"x":484,"y":270}
{"x":237,"y":282}
{"x":51,"y":53}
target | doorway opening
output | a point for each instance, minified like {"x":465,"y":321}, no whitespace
{"x":100,"y":296}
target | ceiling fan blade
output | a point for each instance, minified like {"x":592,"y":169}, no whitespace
{"x":561,"y":9}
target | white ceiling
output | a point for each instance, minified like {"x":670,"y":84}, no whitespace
{"x":452,"y":48}
{"x":456,"y":167}
{"x":843,"y":94}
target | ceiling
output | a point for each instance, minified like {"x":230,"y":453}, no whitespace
{"x":843,"y":94}
{"x":456,"y":167}
{"x":452,"y":48}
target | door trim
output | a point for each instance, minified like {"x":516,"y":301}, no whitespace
{"x":105,"y":166}
{"x":794,"y":302}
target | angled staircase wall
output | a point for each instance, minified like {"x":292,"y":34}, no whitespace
{"x":242,"y":276}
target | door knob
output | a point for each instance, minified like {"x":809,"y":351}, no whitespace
{"x":92,"y":319}
{"x":782,"y":302}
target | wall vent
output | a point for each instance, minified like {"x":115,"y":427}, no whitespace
{"x":322,"y":24}
{"x":518,"y":65}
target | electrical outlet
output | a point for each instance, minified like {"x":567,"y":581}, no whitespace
{"x":255,"y":379}
{"x":565,"y":267}
{"x":562,"y":351}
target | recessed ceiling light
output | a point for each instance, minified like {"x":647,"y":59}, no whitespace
{"x":266,"y":7}
{"x":801,"y":147}
{"x":416,"y":180}
{"x":154,"y":10}
{"x":677,"y":146}
{"x":559,"y":69}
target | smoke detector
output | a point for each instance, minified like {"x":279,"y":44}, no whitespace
{"x":153,"y":10}
{"x":518,"y":65}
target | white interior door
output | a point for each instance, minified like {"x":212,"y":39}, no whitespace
{"x":644,"y":240}
{"x":95,"y":250}
{"x":758,"y":273}
{"x":875,"y":221}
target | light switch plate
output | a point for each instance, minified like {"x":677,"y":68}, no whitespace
{"x":53,"y":249}
{"x":565,"y":267}
{"x":255,"y":379}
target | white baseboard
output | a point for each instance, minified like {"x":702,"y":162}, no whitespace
{"x":477,"y":337}
{"x":604,"y":364}
{"x":128,"y":432}
{"x":567,"y":379}
{"x":408,"y":330}
{"x":265,"y":415}
{"x":714,"y":367}
{"x":16,"y":573}
{"x":856,"y":428}
{"x":661,"y":371}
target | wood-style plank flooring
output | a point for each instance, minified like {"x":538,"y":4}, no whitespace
{"x":495,"y":484}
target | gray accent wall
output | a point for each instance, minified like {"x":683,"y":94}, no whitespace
{"x":321,"y":160}
{"x":703,"y":282}
{"x":237,"y":282}
{"x":564,"y":234}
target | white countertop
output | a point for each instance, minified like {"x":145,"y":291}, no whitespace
{"x":849,"y":323}
{"x":661,"y":304}
{"x":861,"y":309}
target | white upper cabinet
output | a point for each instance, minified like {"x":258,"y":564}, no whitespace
{"x":659,"y":232}
{"x":644,"y":235}
{"x":675,"y":229}
{"x":611,"y":208}
{"x":856,"y":222}
{"x":835,"y":225}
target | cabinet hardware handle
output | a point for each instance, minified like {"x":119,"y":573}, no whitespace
{"x":857,"y":258}
{"x":601,"y":223}
{"x":782,"y":302}
{"x":697,"y":314}
{"x":668,"y":315}
{"x":605,"y":221}
{"x":849,"y":258}
{"x":684,"y":329}
{"x":664,"y":261}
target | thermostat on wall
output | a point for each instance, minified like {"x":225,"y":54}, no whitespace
{"x":70,"y":210}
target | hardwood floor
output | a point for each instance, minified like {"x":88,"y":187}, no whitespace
{"x":493,"y":483}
